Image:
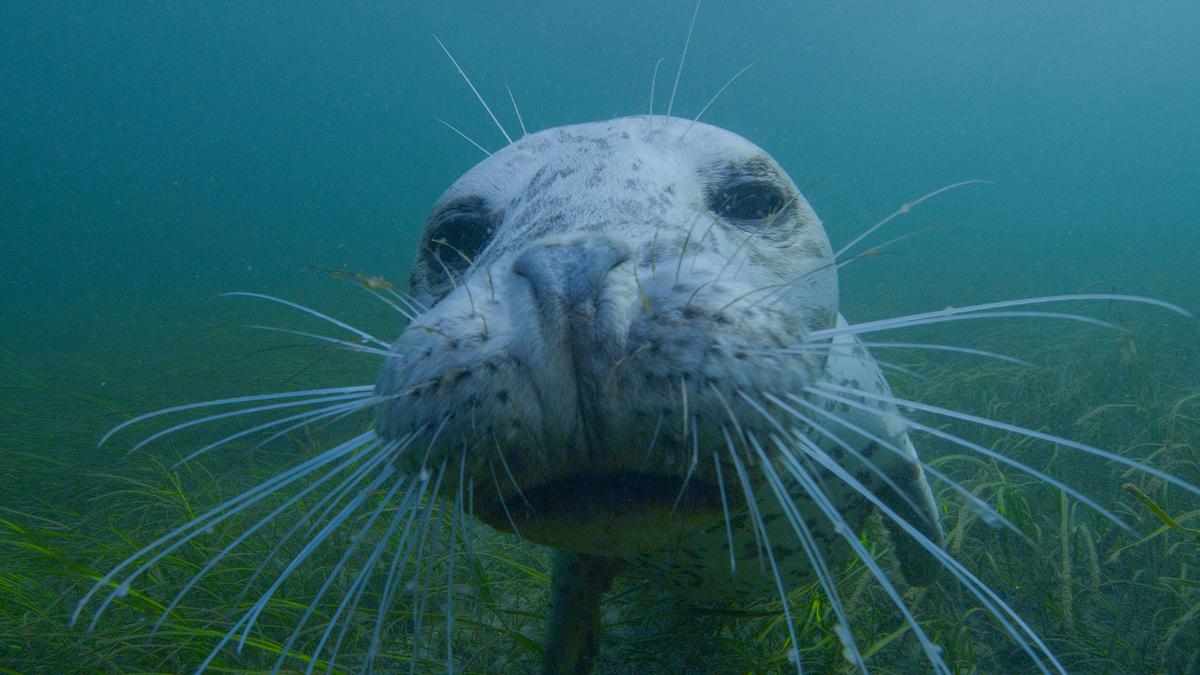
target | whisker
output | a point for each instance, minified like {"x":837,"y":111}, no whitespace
{"x":517,"y":110}
{"x":455,"y":517}
{"x":949,"y":316}
{"x":512,"y":479}
{"x":998,"y":456}
{"x":402,"y":311}
{"x":251,"y":616}
{"x":306,"y":310}
{"x":396,"y":570}
{"x":1049,"y":438}
{"x":475,"y":91}
{"x":306,"y":417}
{"x":503,"y":502}
{"x":751,"y":504}
{"x":465,"y":137}
{"x":714,"y":98}
{"x":950,"y":313}
{"x":969,"y":581}
{"x":682,"y":59}
{"x":819,"y":498}
{"x":317,"y":513}
{"x":725,"y":510}
{"x":990,"y":516}
{"x":364,"y":389}
{"x":815,"y":558}
{"x":248,"y":532}
{"x":424,"y":571}
{"x":354,"y":593}
{"x":853,"y":452}
{"x":759,"y":526}
{"x":248,"y":411}
{"x":409,"y":301}
{"x":828,"y":347}
{"x":352,"y":346}
{"x":653,"y":79}
{"x":690,"y":472}
{"x":905,"y":208}
{"x":213,"y":516}
{"x":333,"y":574}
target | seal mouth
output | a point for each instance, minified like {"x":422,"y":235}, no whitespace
{"x":618,"y":510}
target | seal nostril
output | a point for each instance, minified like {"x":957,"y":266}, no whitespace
{"x":571,"y":271}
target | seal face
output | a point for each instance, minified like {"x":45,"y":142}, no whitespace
{"x":613,"y":315}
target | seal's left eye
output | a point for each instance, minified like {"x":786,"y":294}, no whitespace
{"x":454,"y":237}
{"x":748,"y":200}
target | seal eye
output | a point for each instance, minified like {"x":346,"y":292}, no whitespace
{"x":748,"y":200}
{"x":452,"y":245}
{"x":454,"y":237}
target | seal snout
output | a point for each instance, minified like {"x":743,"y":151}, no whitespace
{"x":568,"y":280}
{"x":568,"y":277}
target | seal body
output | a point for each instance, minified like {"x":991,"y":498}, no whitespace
{"x":618,"y":339}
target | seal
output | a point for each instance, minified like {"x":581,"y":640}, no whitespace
{"x":623,"y":342}
{"x":620,"y":312}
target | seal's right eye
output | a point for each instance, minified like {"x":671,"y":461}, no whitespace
{"x":748,"y":200}
{"x":455,"y":235}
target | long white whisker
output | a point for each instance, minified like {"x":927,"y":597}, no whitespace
{"x":336,"y":416}
{"x":950,"y":316}
{"x":306,"y":417}
{"x":503,"y":502}
{"x":396,"y":572}
{"x":409,"y":301}
{"x":511,"y":479}
{"x":813,"y":553}
{"x":691,"y":468}
{"x":990,"y":516}
{"x":337,"y":521}
{"x":758,"y":542}
{"x":248,"y":411}
{"x":988,"y":452}
{"x":682,"y":58}
{"x":215,"y":515}
{"x":347,"y":552}
{"x":256,"y":526}
{"x":426,"y":560}
{"x":760,"y":526}
{"x":1049,"y":438}
{"x":317,"y":513}
{"x":979,"y":310}
{"x":725,"y":509}
{"x":465,"y":137}
{"x":455,"y":517}
{"x":352,"y":346}
{"x":853,"y":452}
{"x":402,"y":311}
{"x":828,"y":347}
{"x":653,"y":79}
{"x":475,"y":91}
{"x":715,"y":97}
{"x":306,"y":310}
{"x":810,"y":486}
{"x":517,"y":110}
{"x":905,"y":208}
{"x":364,"y":389}
{"x":354,"y":593}
{"x":969,"y":581}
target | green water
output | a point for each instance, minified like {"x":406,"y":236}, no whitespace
{"x":154,"y":156}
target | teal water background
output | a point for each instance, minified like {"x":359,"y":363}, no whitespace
{"x":155,"y":155}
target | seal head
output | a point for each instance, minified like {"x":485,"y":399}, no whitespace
{"x":602,"y":298}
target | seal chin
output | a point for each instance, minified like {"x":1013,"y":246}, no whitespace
{"x":608,"y":513}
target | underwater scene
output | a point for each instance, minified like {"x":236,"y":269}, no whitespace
{"x":836,"y":337}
